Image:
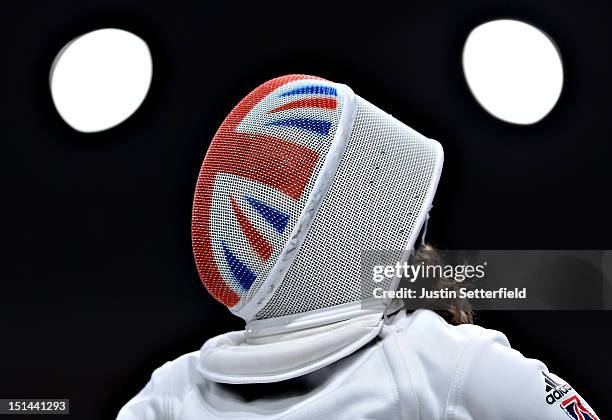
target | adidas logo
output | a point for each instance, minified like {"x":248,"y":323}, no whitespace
{"x":554,"y":389}
{"x":550,"y":382}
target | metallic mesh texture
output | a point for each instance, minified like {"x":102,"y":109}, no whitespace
{"x":372,"y":204}
{"x":255,"y":179}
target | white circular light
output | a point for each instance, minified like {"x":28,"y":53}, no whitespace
{"x":101,"y":78}
{"x":514,"y":70}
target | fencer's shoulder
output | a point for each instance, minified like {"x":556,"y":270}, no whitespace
{"x":470,"y":372}
{"x":176,"y":376}
{"x":438,"y":356}
{"x":425,"y":328}
{"x":163,"y":394}
{"x":450,"y":349}
{"x":436,"y":350}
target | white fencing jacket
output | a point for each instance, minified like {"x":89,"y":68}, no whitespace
{"x":416,"y":366}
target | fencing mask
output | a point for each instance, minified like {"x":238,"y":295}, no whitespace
{"x":299,"y":181}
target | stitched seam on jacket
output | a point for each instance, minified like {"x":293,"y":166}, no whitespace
{"x":167,"y":401}
{"x":409,"y":376}
{"x":389,"y":369}
{"x":457,"y":381}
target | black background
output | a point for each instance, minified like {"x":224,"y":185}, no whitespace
{"x":98,"y":285}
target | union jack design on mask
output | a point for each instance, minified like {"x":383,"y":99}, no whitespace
{"x":256,"y":174}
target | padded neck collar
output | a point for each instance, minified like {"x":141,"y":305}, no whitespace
{"x":237,"y":358}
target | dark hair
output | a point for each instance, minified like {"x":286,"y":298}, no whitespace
{"x":456,"y":311}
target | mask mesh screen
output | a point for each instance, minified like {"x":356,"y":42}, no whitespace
{"x":372,"y":204}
